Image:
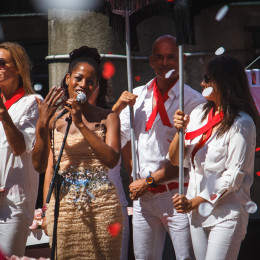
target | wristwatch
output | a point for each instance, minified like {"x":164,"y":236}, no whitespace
{"x":150,"y":181}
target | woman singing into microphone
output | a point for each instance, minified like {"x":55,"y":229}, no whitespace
{"x":89,"y":204}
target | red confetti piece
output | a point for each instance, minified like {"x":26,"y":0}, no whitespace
{"x":110,"y":52}
{"x":137,"y":78}
{"x":254,"y":78}
{"x":257,"y":149}
{"x":108,"y":70}
{"x":2,"y":257}
{"x":213,"y":196}
{"x":258,"y":173}
{"x":172,"y":1}
{"x":114,"y":229}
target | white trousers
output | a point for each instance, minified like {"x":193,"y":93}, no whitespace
{"x":13,"y":233}
{"x":153,"y":215}
{"x":220,"y":242}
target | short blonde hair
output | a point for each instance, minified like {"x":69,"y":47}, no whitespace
{"x":22,"y":63}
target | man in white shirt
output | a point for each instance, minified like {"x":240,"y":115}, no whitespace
{"x":157,"y":180}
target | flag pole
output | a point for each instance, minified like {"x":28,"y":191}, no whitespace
{"x":130,"y":87}
{"x":181,"y":133}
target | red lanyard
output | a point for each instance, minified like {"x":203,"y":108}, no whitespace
{"x":207,"y":129}
{"x":159,"y":107}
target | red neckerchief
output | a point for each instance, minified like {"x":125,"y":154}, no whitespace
{"x":207,"y":129}
{"x":19,"y":93}
{"x":159,"y":107}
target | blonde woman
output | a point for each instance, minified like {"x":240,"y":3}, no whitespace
{"x":18,"y":179}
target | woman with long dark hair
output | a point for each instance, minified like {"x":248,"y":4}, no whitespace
{"x":219,"y":151}
{"x":89,"y":205}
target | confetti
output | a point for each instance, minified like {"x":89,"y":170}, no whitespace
{"x":257,"y":149}
{"x":258,"y":173}
{"x":213,"y":196}
{"x":220,"y":51}
{"x":207,"y":91}
{"x":253,"y":78}
{"x":2,"y":257}
{"x":108,"y":70}
{"x":37,"y":87}
{"x":205,"y":208}
{"x":222,"y":12}
{"x":137,"y":78}
{"x":251,"y":207}
{"x":110,"y":52}
{"x":114,"y":229}
{"x":168,"y":74}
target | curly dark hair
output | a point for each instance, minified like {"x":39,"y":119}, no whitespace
{"x":230,"y":77}
{"x":92,"y":57}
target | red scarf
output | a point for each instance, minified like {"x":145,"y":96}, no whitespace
{"x":207,"y":129}
{"x":159,"y":107}
{"x":18,"y":94}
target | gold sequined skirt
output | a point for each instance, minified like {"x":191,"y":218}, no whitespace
{"x":85,"y":218}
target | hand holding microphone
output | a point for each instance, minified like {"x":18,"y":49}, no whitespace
{"x":81,"y":98}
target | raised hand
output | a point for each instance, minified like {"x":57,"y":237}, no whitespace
{"x":125,"y":99}
{"x":48,"y":107}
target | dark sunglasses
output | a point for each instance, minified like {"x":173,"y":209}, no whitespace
{"x":206,"y":79}
{"x":2,"y":63}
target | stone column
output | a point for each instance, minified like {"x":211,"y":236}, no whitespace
{"x":71,"y":29}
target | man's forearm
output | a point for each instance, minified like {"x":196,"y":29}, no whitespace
{"x":166,"y":173}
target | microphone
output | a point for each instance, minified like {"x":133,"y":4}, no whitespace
{"x":81,"y":98}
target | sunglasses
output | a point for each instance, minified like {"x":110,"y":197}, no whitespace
{"x":2,"y":63}
{"x":206,"y":79}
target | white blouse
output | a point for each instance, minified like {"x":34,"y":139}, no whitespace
{"x":17,"y":174}
{"x":223,"y":166}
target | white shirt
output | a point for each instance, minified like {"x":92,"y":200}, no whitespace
{"x":17,"y":174}
{"x":224,"y":164}
{"x":152,"y":146}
